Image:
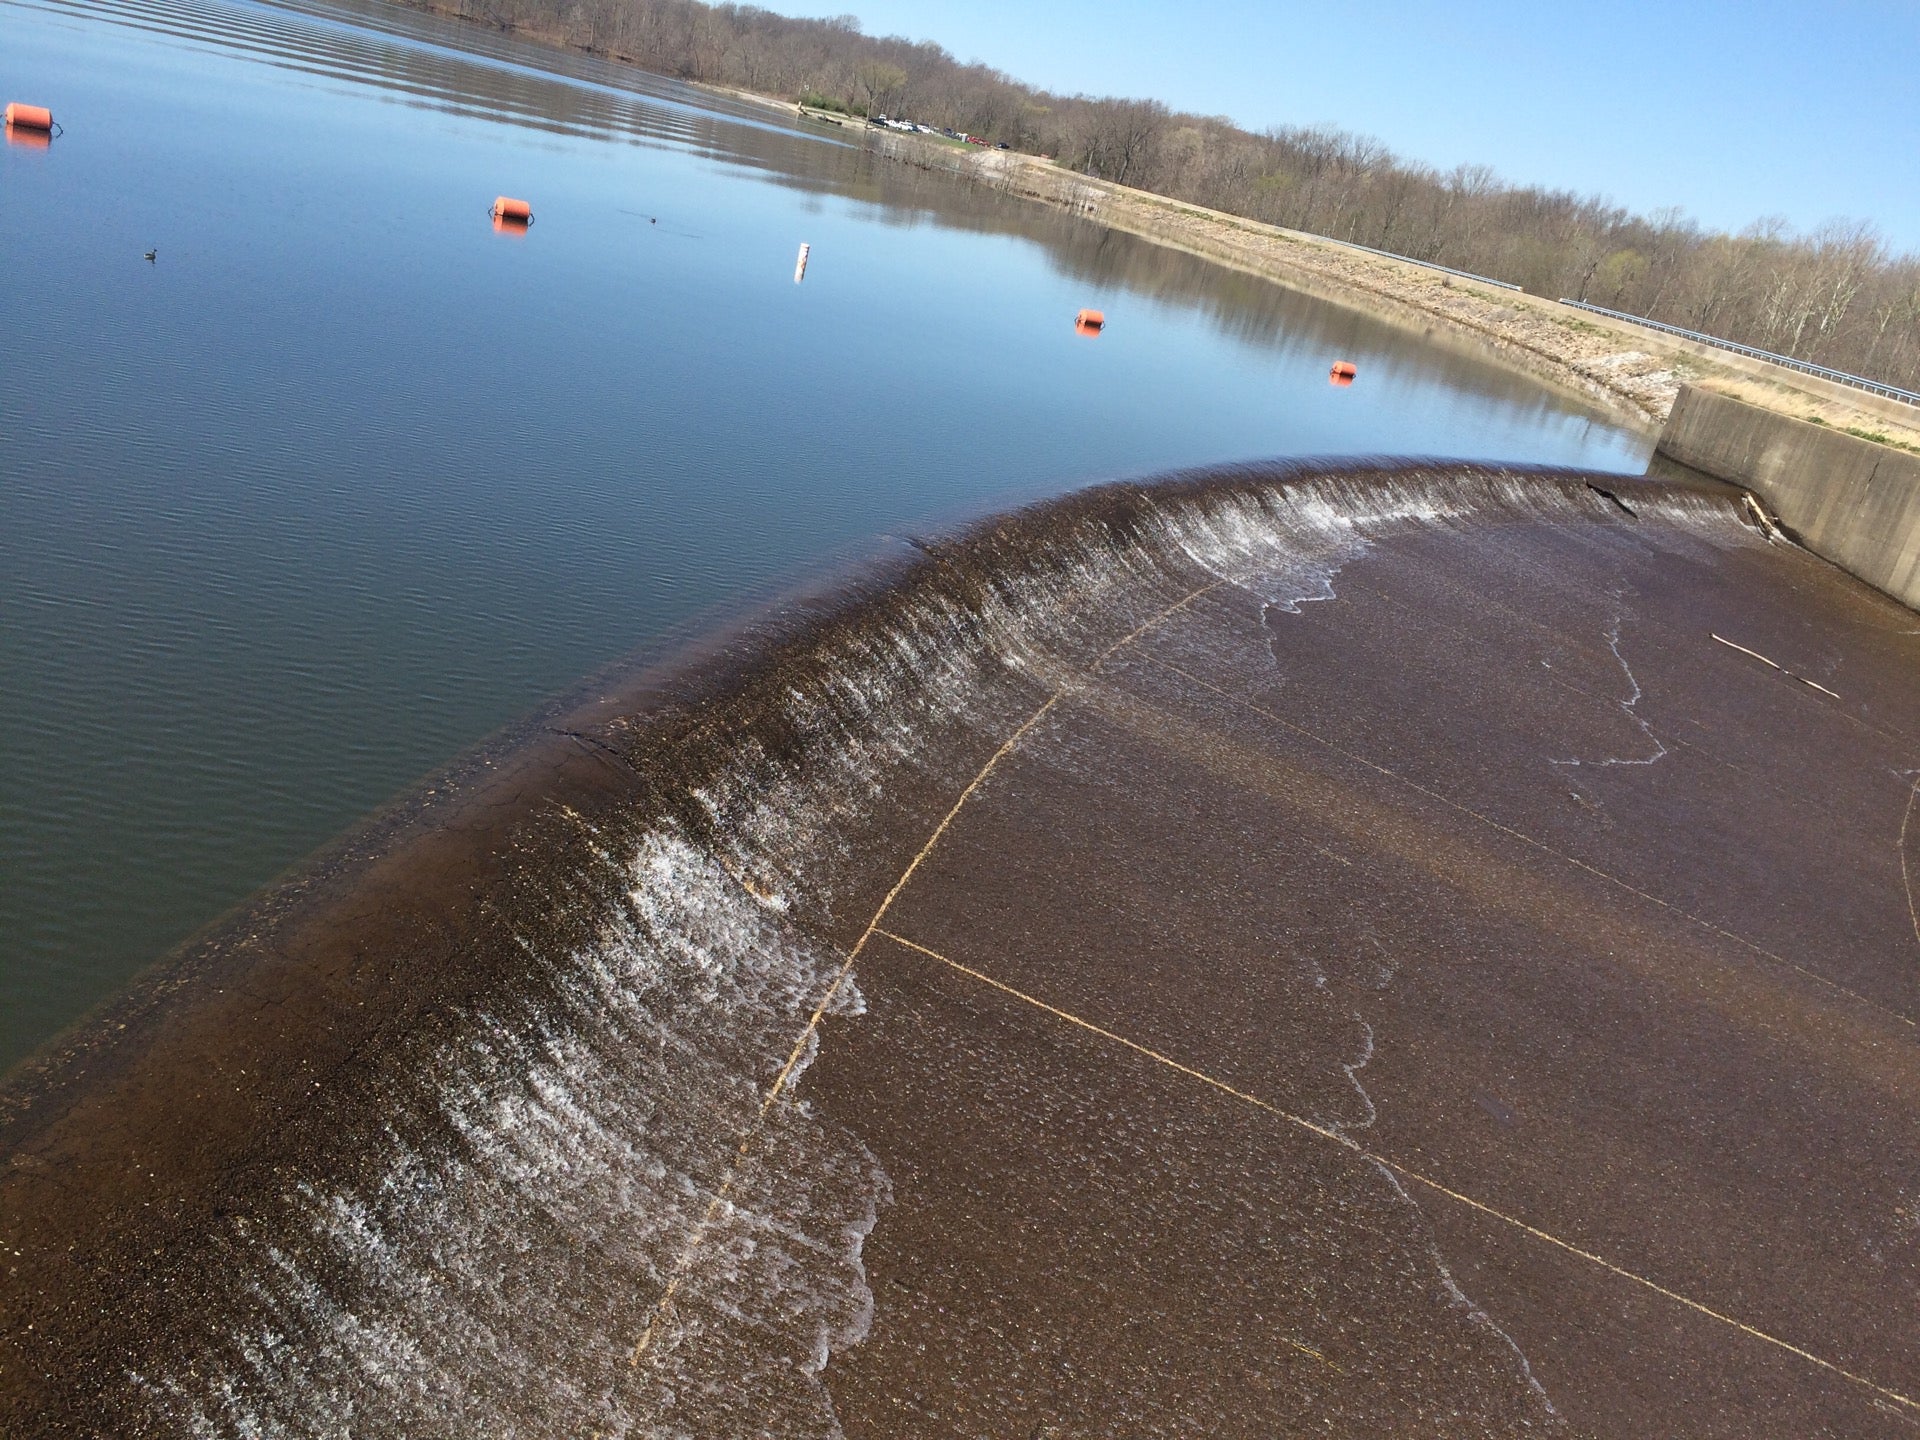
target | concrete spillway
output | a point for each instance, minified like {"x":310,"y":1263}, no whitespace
{"x":1416,"y":951}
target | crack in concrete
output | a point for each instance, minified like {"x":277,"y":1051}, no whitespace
{"x":1906,"y":873}
{"x":1629,"y":707}
{"x":1474,"y":1311}
{"x":1403,"y":1172}
{"x":722,"y":1200}
{"x":1387,"y":772}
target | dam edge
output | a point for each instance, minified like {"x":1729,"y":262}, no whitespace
{"x":1849,"y":500}
{"x":184,"y":1109}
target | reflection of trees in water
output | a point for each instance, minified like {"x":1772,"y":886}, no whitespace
{"x":1836,"y":295}
{"x":498,"y":77}
{"x":1249,"y":308}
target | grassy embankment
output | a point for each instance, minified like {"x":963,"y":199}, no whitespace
{"x":1633,"y":368}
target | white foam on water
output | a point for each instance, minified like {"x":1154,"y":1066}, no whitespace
{"x":1287,"y":544}
{"x":538,"y":1181}
{"x":551,"y":1164}
{"x":545,"y":1177}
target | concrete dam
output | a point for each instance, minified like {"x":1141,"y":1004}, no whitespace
{"x":1847,"y":498}
{"x":1398,"y":950}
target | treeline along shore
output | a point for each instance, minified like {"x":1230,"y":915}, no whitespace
{"x":1838,"y":296}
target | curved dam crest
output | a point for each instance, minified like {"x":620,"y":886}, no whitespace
{"x":1022,"y":989}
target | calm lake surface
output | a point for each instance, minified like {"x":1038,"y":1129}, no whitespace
{"x":345,"y":480}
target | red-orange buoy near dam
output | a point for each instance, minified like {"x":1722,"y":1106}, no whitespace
{"x":1089,"y":322}
{"x":1343,"y":372}
{"x":509,"y":211}
{"x":29,"y":117}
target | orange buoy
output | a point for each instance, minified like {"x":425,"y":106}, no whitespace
{"x":27,"y":138}
{"x":1344,"y":370}
{"x":1087,"y":322}
{"x":517,"y":212}
{"x":1340,"y":382}
{"x":29,"y":117}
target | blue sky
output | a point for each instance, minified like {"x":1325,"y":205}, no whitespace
{"x":1729,"y":110}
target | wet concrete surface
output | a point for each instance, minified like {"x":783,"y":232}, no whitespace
{"x":1656,"y":1005}
{"x":1275,"y":955}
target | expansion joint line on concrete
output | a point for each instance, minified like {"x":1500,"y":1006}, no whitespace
{"x":1906,"y":874}
{"x":1406,"y":1172}
{"x":723,"y":1196}
{"x":1540,"y":845}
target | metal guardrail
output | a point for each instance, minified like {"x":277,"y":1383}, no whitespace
{"x":1428,"y":264}
{"x":1807,"y":367}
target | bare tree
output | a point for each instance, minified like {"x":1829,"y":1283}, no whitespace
{"x":879,"y":83}
{"x":1836,"y":293}
{"x":1121,"y":137}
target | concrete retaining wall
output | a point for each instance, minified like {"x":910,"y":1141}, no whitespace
{"x":1852,"y":501}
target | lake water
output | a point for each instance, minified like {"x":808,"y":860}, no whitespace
{"x":345,"y":479}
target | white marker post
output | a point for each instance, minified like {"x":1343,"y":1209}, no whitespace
{"x":800,"y":265}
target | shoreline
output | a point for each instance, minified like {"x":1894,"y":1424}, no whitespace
{"x":1361,"y":946}
{"x":1635,"y":370}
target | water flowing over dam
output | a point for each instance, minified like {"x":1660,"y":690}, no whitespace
{"x":1394,"y":949}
